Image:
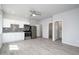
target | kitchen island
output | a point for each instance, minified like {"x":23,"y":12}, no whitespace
{"x":12,"y":36}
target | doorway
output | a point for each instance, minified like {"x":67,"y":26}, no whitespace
{"x":41,"y":31}
{"x":50,"y":30}
{"x":58,"y":30}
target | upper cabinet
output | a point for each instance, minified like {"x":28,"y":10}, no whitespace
{"x":0,"y":21}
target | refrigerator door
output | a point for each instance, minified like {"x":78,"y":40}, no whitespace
{"x":33,"y":32}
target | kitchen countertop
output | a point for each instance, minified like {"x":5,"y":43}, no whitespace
{"x":11,"y":32}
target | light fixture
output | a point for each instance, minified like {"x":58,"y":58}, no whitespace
{"x":33,"y":14}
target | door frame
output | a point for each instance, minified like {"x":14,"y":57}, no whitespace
{"x":49,"y":31}
{"x":54,"y":29}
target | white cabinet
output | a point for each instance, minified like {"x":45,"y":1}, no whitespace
{"x":0,"y":40}
{"x":0,"y":29}
{"x":12,"y":37}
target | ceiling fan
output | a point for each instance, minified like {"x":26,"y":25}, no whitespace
{"x":35,"y":13}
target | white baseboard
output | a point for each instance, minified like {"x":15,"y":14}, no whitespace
{"x":76,"y":44}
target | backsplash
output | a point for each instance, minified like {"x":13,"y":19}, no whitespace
{"x":13,"y":28}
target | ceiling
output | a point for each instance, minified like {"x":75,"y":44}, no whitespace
{"x":46,"y":10}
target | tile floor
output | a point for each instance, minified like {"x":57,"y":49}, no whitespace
{"x":38,"y":46}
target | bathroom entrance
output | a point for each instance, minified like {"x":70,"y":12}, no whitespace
{"x":58,"y":30}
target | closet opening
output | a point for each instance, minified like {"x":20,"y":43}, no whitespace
{"x":58,"y":30}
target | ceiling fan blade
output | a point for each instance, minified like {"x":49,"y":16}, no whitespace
{"x":34,"y":12}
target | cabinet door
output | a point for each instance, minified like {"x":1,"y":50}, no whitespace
{"x":0,"y":30}
{"x":0,"y":24}
{"x":34,"y":30}
{"x":12,"y":37}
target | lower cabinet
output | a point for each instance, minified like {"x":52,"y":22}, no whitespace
{"x":11,"y":37}
{"x":0,"y":28}
{"x":0,"y":40}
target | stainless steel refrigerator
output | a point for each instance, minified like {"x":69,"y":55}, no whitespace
{"x":33,"y":32}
